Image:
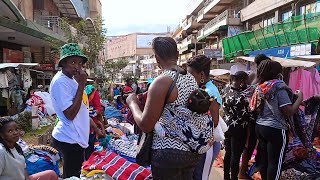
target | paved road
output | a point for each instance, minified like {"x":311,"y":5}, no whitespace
{"x":216,"y":174}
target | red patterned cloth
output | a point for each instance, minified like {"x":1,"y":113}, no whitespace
{"x":116,"y":166}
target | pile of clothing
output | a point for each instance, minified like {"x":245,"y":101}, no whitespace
{"x":109,"y":165}
{"x":115,"y":155}
{"x":40,"y":158}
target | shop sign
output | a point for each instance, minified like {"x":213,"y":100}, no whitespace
{"x":213,"y":53}
{"x":44,"y":67}
{"x":286,"y":51}
{"x":12,"y":56}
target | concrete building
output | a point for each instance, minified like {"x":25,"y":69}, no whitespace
{"x":206,"y":23}
{"x":137,"y":49}
{"x":277,"y":28}
{"x":26,"y":25}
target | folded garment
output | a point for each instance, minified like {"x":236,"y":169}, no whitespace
{"x":116,"y":166}
{"x":122,"y":147}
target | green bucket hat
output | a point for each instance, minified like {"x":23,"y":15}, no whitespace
{"x":71,"y":49}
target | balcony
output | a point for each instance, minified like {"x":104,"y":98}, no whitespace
{"x":260,"y":7}
{"x":52,"y":23}
{"x":204,"y":18}
{"x":191,"y":24}
{"x":194,"y":6}
{"x":228,"y":17}
{"x":215,"y":6}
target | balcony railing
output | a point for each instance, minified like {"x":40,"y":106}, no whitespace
{"x":50,"y":22}
{"x":229,"y":13}
{"x":207,"y":2}
{"x":191,"y":19}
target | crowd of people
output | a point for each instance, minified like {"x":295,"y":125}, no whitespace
{"x":179,"y":109}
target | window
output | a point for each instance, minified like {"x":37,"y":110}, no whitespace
{"x":268,"y":22}
{"x":38,"y":4}
{"x":286,"y":15}
{"x":310,"y":8}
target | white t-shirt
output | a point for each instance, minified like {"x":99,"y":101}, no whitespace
{"x":11,"y":168}
{"x":63,"y":91}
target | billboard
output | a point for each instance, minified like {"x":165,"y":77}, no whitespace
{"x":145,"y":41}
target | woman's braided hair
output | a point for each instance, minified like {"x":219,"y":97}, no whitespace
{"x":268,"y":70}
{"x":3,"y":122}
{"x":200,"y":63}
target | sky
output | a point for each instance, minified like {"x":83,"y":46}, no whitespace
{"x":129,"y":16}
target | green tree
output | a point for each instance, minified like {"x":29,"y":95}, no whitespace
{"x":112,"y":68}
{"x":92,"y":39}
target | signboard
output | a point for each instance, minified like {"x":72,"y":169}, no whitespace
{"x":145,"y":41}
{"x":286,"y":51}
{"x":45,"y":67}
{"x":12,"y":56}
{"x":213,"y":53}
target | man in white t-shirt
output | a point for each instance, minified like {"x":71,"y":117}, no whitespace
{"x":71,"y":134}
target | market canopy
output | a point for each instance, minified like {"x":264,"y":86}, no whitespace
{"x":284,"y":62}
{"x":219,"y":72}
{"x":16,"y":65}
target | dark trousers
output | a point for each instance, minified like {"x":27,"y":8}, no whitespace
{"x":171,"y":164}
{"x":73,"y":157}
{"x":90,"y":149}
{"x":248,"y":151}
{"x":234,"y":142}
{"x":272,"y":147}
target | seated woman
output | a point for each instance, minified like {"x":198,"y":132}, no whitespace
{"x":12,"y":162}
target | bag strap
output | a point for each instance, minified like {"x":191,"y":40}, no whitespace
{"x":172,"y":86}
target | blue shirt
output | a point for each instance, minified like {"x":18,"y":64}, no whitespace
{"x":213,"y":91}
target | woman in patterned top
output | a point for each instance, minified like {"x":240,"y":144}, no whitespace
{"x":199,"y":67}
{"x":171,"y":158}
{"x":237,"y":116}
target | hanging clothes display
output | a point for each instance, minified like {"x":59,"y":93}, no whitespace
{"x":26,"y":78}
{"x":3,"y":80}
{"x":315,"y":81}
{"x":12,"y":79}
{"x":301,"y":80}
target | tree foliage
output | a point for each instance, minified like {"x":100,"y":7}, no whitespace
{"x":113,"y":68}
{"x":92,"y":39}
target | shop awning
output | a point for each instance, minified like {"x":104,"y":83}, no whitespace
{"x":284,"y":62}
{"x":16,"y":65}
{"x":67,"y":8}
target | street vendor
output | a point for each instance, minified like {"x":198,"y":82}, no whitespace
{"x":71,"y":134}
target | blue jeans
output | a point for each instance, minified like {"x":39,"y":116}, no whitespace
{"x":203,"y":169}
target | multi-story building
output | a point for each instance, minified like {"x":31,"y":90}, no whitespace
{"x":206,"y":23}
{"x":281,"y":28}
{"x":26,"y":26}
{"x":137,"y":49}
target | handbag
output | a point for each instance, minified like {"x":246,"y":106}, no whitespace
{"x":144,"y":150}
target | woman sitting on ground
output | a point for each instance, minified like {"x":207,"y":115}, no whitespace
{"x":12,"y":162}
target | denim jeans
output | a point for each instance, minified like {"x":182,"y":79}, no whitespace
{"x":172,"y":164}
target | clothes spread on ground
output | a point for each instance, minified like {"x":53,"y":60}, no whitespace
{"x":122,"y":147}
{"x":235,"y":106}
{"x":116,"y":166}
{"x":40,"y":158}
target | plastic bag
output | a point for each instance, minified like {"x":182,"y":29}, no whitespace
{"x":223,"y":125}
{"x":220,"y":130}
